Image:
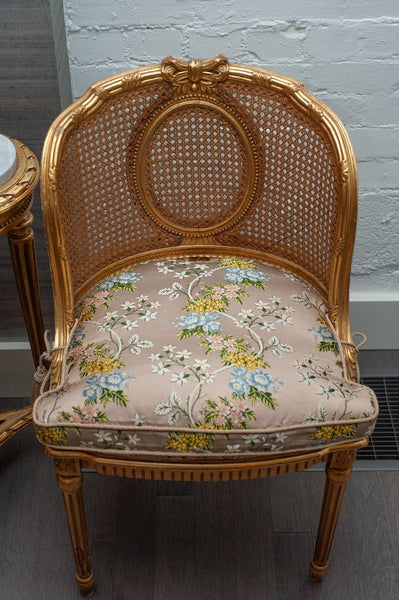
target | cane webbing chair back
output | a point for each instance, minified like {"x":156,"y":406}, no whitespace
{"x":206,"y":154}
{"x":199,"y":160}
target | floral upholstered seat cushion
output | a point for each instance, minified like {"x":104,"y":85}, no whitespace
{"x":181,"y":357}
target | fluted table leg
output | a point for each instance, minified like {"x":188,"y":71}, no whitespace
{"x":23,"y":256}
{"x":16,"y":195}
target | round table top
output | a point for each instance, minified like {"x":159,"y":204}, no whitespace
{"x":20,"y":169}
{"x":8,"y":159}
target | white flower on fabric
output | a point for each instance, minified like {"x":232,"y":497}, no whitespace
{"x":251,"y":438}
{"x":142,"y":298}
{"x":103,"y":436}
{"x":260,"y":305}
{"x":128,"y":305}
{"x":244,"y":314}
{"x":148,"y":316}
{"x":154,"y":356}
{"x":304,"y":378}
{"x":104,"y":326}
{"x":279,"y":437}
{"x":285,"y":320}
{"x":165,"y":269}
{"x":234,"y":448}
{"x":160,"y":368}
{"x":207,"y":377}
{"x":169,"y":349}
{"x":111,"y":315}
{"x":182,"y":274}
{"x":267,"y":326}
{"x":325,"y":391}
{"x":183,"y":354}
{"x":179,"y":378}
{"x":202,"y":364}
{"x":129,"y":325}
{"x":132,"y":438}
{"x":155,"y":304}
{"x":137,"y":419}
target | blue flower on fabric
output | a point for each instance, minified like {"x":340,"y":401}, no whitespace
{"x":322,"y":333}
{"x":253,"y":275}
{"x":211,"y":323}
{"x":190,"y":321}
{"x":123,"y":278}
{"x":115,"y":380}
{"x":234,"y":274}
{"x":78,"y":336}
{"x":238,"y":382}
{"x":93,"y":389}
{"x":106,"y":284}
{"x":128,"y":277}
{"x":261,"y":380}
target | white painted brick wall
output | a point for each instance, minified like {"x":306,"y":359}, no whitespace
{"x":346,"y":52}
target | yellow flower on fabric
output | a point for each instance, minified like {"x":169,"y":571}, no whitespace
{"x":203,"y":305}
{"x":100,"y":365}
{"x":242,"y":359}
{"x":55,"y":435}
{"x":328,"y":433}
{"x":189,"y":442}
{"x":241,"y":263}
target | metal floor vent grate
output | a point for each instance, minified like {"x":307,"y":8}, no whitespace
{"x":384,"y":443}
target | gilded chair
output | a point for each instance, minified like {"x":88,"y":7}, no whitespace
{"x":200,"y":219}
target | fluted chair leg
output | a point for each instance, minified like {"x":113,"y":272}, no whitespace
{"x":69,"y":478}
{"x":338,"y":472}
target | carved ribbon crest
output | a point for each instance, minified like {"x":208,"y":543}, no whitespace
{"x":194,"y":76}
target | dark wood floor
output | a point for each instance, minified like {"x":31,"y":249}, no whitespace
{"x":162,"y":541}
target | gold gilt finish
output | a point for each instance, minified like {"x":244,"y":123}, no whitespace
{"x":198,"y":234}
{"x":16,"y":197}
{"x":194,"y":76}
{"x":78,"y":261}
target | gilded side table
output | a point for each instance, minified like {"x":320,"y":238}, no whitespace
{"x":16,"y":195}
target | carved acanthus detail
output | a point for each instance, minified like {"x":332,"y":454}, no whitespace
{"x":339,"y":245}
{"x":343,"y":171}
{"x":52,"y":177}
{"x":343,"y":460}
{"x":350,"y":357}
{"x":333,"y":314}
{"x":66,"y":466}
{"x":78,"y":116}
{"x":101,"y":93}
{"x":131,"y":81}
{"x":262,"y":79}
{"x":316,"y":112}
{"x":194,"y":76}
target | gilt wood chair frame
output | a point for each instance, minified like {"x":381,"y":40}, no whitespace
{"x":193,"y":83}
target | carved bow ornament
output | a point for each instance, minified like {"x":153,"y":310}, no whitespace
{"x":194,"y":76}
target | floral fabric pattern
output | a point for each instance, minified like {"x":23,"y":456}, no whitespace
{"x":203,"y":358}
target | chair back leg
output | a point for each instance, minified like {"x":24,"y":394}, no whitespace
{"x":69,"y":478}
{"x":338,"y":472}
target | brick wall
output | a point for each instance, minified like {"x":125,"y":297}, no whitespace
{"x":346,"y":52}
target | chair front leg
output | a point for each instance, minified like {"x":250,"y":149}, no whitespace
{"x":69,"y":478}
{"x":338,"y":472}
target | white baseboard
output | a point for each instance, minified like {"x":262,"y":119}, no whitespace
{"x":379,"y":320}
